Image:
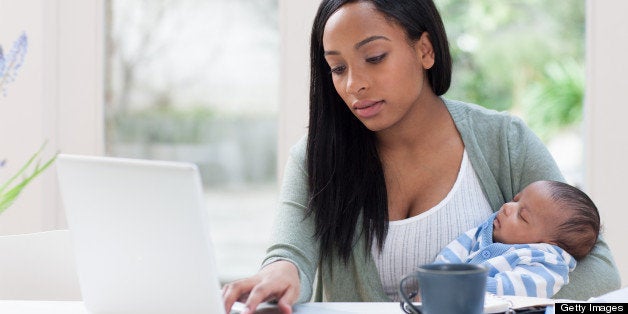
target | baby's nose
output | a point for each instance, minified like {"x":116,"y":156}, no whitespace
{"x":508,"y":208}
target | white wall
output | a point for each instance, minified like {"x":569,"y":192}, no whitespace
{"x":295,"y":23}
{"x":22,"y":125}
{"x":606,"y":128}
{"x":56,"y":97}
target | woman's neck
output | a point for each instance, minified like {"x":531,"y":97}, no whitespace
{"x":422,"y":126}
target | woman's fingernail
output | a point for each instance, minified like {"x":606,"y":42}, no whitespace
{"x":246,"y":311}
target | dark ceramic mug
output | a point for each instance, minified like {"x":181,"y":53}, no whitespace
{"x":445,"y":289}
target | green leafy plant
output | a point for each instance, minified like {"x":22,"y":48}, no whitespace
{"x":28,"y":172}
{"x":554,"y":102}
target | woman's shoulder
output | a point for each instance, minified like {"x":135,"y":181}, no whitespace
{"x":297,"y":153}
{"x":460,"y":111}
{"x":299,"y":148}
{"x":472,"y":117}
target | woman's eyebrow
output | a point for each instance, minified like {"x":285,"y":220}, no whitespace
{"x":368,"y":40}
{"x":358,"y":45}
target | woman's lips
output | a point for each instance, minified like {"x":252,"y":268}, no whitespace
{"x":367,"y":108}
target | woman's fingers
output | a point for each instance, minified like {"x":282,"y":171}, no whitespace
{"x":278,"y":281}
{"x":289,"y":298}
{"x":264,"y":291}
{"x":285,"y":296}
{"x":237,"y":291}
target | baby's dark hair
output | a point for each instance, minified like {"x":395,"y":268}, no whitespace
{"x":578,"y":234}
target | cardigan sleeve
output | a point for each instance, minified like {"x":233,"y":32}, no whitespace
{"x":596,"y":274}
{"x":293,"y":231}
{"x":530,"y":160}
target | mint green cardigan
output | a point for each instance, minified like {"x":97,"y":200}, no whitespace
{"x":506,"y":156}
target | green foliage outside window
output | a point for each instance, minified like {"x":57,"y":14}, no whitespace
{"x":524,"y":56}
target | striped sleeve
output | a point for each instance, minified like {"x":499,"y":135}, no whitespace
{"x":458,"y":250}
{"x":537,"y":270}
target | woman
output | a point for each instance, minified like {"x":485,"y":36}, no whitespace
{"x":391,"y":172}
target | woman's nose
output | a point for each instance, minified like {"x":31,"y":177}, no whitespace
{"x":356,"y":82}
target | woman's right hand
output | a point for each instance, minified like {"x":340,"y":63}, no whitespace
{"x":278,"y":281}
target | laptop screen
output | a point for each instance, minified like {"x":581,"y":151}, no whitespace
{"x":141,"y":235}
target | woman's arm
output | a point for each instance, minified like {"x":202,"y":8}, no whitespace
{"x":288,"y":270}
{"x":596,"y":274}
{"x":507,"y":156}
{"x":293,"y":231}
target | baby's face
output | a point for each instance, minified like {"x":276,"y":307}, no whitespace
{"x":530,"y":217}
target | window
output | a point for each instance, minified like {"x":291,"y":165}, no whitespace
{"x":198,"y":81}
{"x":526,"y":57}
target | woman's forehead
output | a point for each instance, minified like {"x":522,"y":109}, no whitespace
{"x":356,"y":19}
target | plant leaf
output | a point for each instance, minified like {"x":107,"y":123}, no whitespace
{"x":7,"y":198}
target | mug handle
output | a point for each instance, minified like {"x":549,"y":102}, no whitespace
{"x":406,"y":300}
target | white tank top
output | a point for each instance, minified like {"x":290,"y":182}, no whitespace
{"x":417,"y":240}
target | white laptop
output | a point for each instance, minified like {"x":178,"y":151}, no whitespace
{"x":141,"y":235}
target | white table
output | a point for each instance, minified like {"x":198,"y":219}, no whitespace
{"x":77,"y":307}
{"x":41,"y":307}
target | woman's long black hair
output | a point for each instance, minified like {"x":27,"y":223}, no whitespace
{"x":346,"y":178}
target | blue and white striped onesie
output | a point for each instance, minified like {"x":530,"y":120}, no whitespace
{"x":537,"y":270}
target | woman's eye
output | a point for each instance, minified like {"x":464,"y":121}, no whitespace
{"x":376,"y":59}
{"x":337,"y":70}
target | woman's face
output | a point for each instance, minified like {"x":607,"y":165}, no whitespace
{"x":375,"y":70}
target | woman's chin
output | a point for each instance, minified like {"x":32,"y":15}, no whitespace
{"x":374,"y":125}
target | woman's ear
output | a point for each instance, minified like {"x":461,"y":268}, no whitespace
{"x":425,"y":50}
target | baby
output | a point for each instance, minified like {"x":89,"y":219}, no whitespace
{"x":532,"y":243}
